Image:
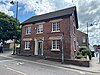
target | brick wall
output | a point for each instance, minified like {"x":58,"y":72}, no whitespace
{"x":65,"y":27}
{"x":80,"y":37}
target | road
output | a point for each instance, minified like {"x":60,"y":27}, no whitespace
{"x":16,"y":66}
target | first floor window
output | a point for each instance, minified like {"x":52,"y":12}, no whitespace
{"x":56,"y":26}
{"x":84,"y":40}
{"x":40,"y":29}
{"x":27,"y":45}
{"x":56,"y":44}
{"x":28,"y":30}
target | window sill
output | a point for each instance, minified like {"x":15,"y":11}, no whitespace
{"x":55,"y":31}
{"x":27,"y":34}
{"x":27,"y":49}
{"x":40,"y":33}
{"x":55,"y":49}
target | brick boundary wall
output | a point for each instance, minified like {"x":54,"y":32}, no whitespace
{"x":72,"y":62}
{"x":66,"y":61}
{"x":78,"y":63}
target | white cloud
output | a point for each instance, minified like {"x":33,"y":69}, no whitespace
{"x":5,"y":7}
{"x":93,"y":33}
{"x":88,"y":11}
{"x":44,"y":6}
{"x":37,"y":6}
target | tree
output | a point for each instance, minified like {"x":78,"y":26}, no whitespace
{"x":9,"y":27}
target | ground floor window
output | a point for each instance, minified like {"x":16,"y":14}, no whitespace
{"x":27,"y":45}
{"x":55,"y":45}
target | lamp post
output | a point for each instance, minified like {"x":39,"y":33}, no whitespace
{"x":62,"y":53}
{"x":12,"y":2}
{"x":87,"y":36}
{"x":87,"y":28}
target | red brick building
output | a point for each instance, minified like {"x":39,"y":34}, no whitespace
{"x":49,"y":34}
{"x":82,"y":38}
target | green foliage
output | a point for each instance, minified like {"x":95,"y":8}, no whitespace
{"x":9,"y":27}
{"x":79,"y":55}
{"x":83,"y":52}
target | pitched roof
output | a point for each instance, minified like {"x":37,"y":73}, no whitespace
{"x":51,"y":15}
{"x":78,"y":31}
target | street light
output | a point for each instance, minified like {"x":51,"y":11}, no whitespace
{"x":12,"y":2}
{"x":87,"y":28}
{"x":62,"y":53}
{"x":87,"y":36}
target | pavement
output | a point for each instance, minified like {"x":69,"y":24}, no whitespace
{"x":94,"y":63}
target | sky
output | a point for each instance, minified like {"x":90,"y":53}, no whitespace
{"x":88,"y":12}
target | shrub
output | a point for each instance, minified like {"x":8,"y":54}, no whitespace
{"x":79,"y":55}
{"x":83,"y":52}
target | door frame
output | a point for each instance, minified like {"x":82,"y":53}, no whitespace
{"x":38,"y":39}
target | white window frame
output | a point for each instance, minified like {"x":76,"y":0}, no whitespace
{"x":84,"y":39}
{"x":40,"y":29}
{"x":27,"y":45}
{"x":57,"y":27}
{"x":55,"y":45}
{"x":28,"y":30}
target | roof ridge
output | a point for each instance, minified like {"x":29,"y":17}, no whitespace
{"x":58,"y":13}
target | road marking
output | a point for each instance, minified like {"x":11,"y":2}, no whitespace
{"x":81,"y":72}
{"x":20,"y":63}
{"x":5,"y":60}
{"x":8,"y":60}
{"x":16,"y":71}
